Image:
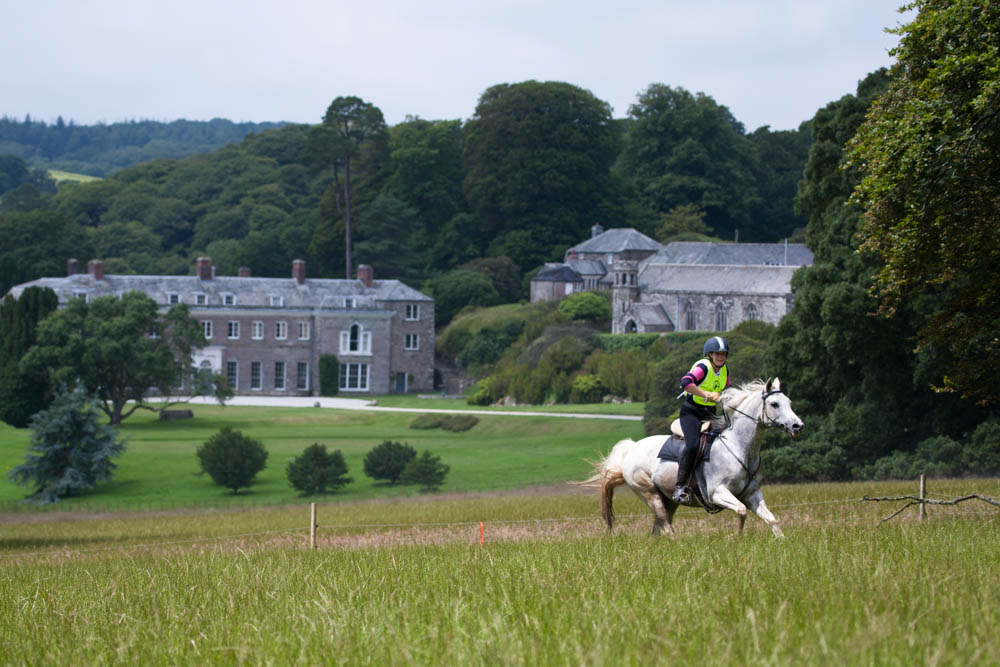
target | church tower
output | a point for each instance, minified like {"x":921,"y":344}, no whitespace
{"x":625,"y":292}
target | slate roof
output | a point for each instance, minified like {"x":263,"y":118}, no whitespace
{"x":617,"y":240}
{"x":248,"y":292}
{"x":587,"y":267}
{"x":651,"y":314}
{"x":558,"y":273}
{"x":695,"y":252}
{"x":662,"y":278}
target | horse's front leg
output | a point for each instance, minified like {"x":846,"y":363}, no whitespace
{"x":755,"y":501}
{"x":724,"y":498}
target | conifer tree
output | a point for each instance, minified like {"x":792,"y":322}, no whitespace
{"x":70,"y":450}
{"x":427,"y":471}
{"x":317,"y":471}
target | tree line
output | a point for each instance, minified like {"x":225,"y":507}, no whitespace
{"x":98,"y":150}
{"x":526,"y":177}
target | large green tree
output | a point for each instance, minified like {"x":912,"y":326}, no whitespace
{"x":120,"y":349}
{"x":929,"y":154}
{"x":538,"y":157}
{"x":853,"y":377}
{"x":683,"y":148}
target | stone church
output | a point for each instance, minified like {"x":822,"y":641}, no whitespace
{"x":693,"y":286}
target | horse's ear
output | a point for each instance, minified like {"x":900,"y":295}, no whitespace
{"x":776,"y":385}
{"x":767,"y":386}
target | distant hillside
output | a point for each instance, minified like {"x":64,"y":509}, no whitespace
{"x":98,"y":150}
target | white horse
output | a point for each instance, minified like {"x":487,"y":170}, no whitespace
{"x":731,"y":475}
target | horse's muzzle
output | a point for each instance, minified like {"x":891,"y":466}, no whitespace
{"x":795,"y":430}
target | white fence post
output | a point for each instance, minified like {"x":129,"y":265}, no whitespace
{"x":923,"y":496}
{"x":312,"y":526}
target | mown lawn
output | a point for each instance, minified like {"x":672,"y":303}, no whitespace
{"x":160,"y":470}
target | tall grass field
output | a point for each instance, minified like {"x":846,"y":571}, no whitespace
{"x":509,"y":564}
{"x":409,"y":582}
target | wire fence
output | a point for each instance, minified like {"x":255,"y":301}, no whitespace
{"x":344,"y":528}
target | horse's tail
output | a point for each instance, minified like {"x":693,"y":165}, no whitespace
{"x":607,"y":477}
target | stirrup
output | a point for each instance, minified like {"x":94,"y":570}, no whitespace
{"x":681,"y":495}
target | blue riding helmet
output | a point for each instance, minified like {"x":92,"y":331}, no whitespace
{"x":716,"y":344}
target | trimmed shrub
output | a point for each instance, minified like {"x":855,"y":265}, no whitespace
{"x":388,"y":460}
{"x":427,"y":471}
{"x":316,"y":470}
{"x":329,"y":375}
{"x":232,"y":459}
{"x":459,"y":423}
{"x":425,"y":422}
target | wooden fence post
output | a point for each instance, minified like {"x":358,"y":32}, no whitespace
{"x":312,"y":526}
{"x":923,"y":496}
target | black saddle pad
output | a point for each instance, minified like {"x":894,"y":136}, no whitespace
{"x":671,"y":450}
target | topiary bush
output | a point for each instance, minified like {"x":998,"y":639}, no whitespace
{"x":316,"y":470}
{"x":232,"y":459}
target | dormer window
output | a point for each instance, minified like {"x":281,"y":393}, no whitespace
{"x":349,"y":302}
{"x":276,"y":300}
{"x":173,"y":298}
{"x":200,"y":299}
{"x":228,"y":299}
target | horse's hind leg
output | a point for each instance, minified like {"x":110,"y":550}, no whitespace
{"x":661,"y":517}
{"x":755,"y":501}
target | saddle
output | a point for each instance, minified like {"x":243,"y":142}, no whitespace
{"x":671,"y":451}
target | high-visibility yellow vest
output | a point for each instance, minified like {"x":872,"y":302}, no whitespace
{"x":712,"y":382}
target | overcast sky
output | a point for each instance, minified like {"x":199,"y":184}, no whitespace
{"x":771,"y":62}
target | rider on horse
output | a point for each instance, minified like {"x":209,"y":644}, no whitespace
{"x":702,"y":385}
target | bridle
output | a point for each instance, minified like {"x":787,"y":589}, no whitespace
{"x":764,"y":419}
{"x":764,"y":394}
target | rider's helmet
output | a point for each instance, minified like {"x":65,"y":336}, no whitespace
{"x":716,"y":344}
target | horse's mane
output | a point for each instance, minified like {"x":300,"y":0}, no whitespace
{"x":733,"y":397}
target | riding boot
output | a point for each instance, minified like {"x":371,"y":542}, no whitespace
{"x":684,"y":470}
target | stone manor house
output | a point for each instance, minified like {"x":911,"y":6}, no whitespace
{"x":266,"y":335}
{"x":683,"y":286}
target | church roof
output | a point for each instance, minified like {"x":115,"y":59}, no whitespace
{"x":696,"y":252}
{"x":617,"y":240}
{"x":663,"y":278}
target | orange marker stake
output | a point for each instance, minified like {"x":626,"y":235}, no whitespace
{"x":480,"y":533}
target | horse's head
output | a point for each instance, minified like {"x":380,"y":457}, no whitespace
{"x":777,"y":408}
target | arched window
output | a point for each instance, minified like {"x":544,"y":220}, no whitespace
{"x":690,"y":317}
{"x":751,"y":312}
{"x":355,"y":336}
{"x":720,"y":318}
{"x":630,"y":327}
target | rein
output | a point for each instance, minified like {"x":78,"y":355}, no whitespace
{"x":763,"y":411}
